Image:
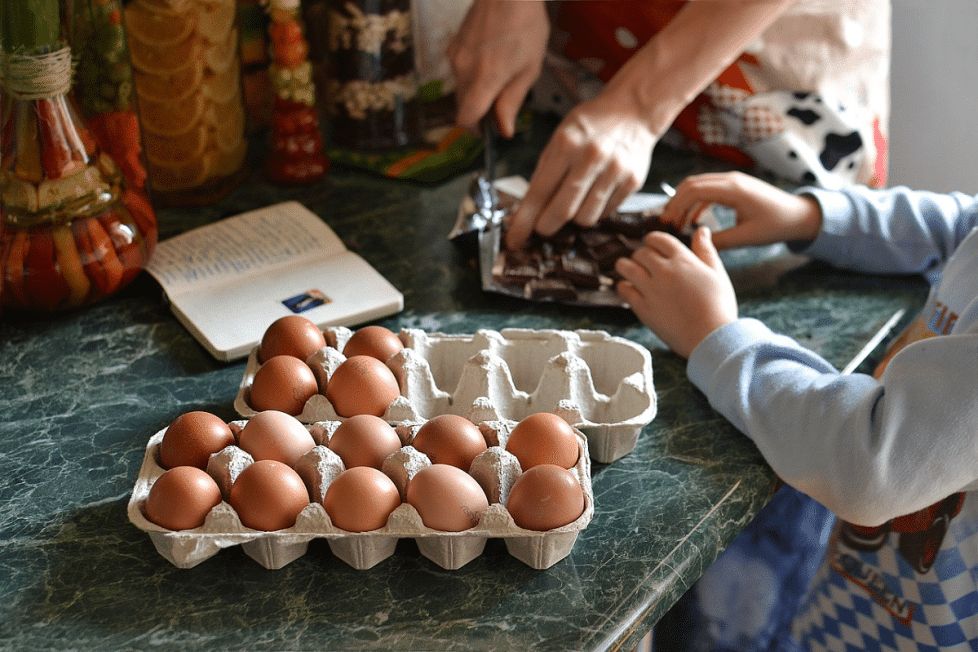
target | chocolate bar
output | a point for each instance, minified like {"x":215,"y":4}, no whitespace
{"x":576,"y":259}
{"x":553,"y":289}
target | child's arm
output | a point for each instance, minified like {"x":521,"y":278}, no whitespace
{"x":882,"y":231}
{"x":892,"y":231}
{"x":868,"y":449}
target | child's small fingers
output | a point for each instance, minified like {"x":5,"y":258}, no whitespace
{"x":664,"y":244}
{"x":704,"y":248}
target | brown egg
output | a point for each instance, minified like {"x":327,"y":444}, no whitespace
{"x":181,"y":498}
{"x":450,"y":439}
{"x":545,"y":497}
{"x":192,"y":438}
{"x":362,"y":385}
{"x":268,"y":495}
{"x":447,"y":498}
{"x":275,"y":435}
{"x":364,"y":440}
{"x":293,"y":335}
{"x":283,"y":383}
{"x":375,"y":341}
{"x":361,"y":499}
{"x":543,"y":438}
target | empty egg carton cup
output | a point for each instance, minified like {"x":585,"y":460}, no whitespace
{"x":601,"y":384}
{"x":495,"y":470}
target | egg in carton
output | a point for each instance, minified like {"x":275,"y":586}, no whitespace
{"x":495,"y":469}
{"x":603,"y":382}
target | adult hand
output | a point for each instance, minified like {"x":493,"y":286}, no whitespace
{"x":599,"y":154}
{"x":681,"y":294}
{"x":497,"y":55}
{"x":765,"y":214}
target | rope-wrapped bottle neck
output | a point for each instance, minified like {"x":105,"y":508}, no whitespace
{"x":36,"y":76}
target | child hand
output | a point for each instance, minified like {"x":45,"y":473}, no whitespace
{"x":765,"y":214}
{"x":681,"y":294}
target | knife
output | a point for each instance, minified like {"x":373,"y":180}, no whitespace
{"x":489,"y":134}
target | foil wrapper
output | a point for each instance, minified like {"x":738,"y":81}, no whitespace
{"x":478,"y":233}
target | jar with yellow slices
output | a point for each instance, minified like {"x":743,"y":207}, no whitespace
{"x":187,"y":75}
{"x":75,"y":228}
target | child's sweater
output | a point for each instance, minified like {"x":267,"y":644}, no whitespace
{"x":895,"y":458}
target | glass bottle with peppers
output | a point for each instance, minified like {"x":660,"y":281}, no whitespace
{"x":296,"y":143}
{"x":75,"y":229}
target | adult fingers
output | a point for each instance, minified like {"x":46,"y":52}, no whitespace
{"x":622,"y":191}
{"x":596,"y":198}
{"x":511,"y":98}
{"x":544,"y":184}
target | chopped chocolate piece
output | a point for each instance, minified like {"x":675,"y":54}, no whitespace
{"x":556,"y":289}
{"x":563,"y":239}
{"x":582,"y":272}
{"x":632,"y":224}
{"x":517,"y":267}
{"x":549,"y":262}
{"x":604,"y":247}
{"x":613,"y":276}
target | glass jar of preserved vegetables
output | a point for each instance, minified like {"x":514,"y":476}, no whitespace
{"x":295,"y":142}
{"x":75,"y":229}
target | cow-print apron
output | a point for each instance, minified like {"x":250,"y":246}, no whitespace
{"x":808,"y":101}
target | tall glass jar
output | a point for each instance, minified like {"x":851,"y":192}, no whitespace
{"x":191,"y":106}
{"x":295,"y":153}
{"x":104,"y":93}
{"x":75,"y":230}
{"x":372,"y":92}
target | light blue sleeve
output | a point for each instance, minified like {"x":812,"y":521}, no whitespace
{"x":892,"y":231}
{"x":868,"y":450}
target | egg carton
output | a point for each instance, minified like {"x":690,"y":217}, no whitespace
{"x":495,"y":469}
{"x":601,"y":382}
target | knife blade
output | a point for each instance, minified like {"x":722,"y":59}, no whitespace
{"x":489,"y":135}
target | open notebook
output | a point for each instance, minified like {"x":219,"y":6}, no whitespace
{"x":227,"y":281}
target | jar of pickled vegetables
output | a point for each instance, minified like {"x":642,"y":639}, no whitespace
{"x":191,"y":106}
{"x":103,"y":82}
{"x":75,"y":229}
{"x":295,"y":142}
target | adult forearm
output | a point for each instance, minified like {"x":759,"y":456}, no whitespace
{"x":703,"y":39}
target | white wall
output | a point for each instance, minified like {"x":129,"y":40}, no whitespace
{"x":934,"y":95}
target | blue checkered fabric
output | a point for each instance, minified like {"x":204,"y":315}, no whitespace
{"x":876,"y":600}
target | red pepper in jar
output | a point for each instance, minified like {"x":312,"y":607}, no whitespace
{"x":13,"y":267}
{"x":127,"y":243}
{"x":55,"y":151}
{"x":44,"y":285}
{"x":143,"y":215}
{"x":69,"y":263}
{"x":86,"y":254}
{"x":105,"y":254}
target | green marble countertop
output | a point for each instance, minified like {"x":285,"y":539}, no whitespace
{"x":82,"y":392}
